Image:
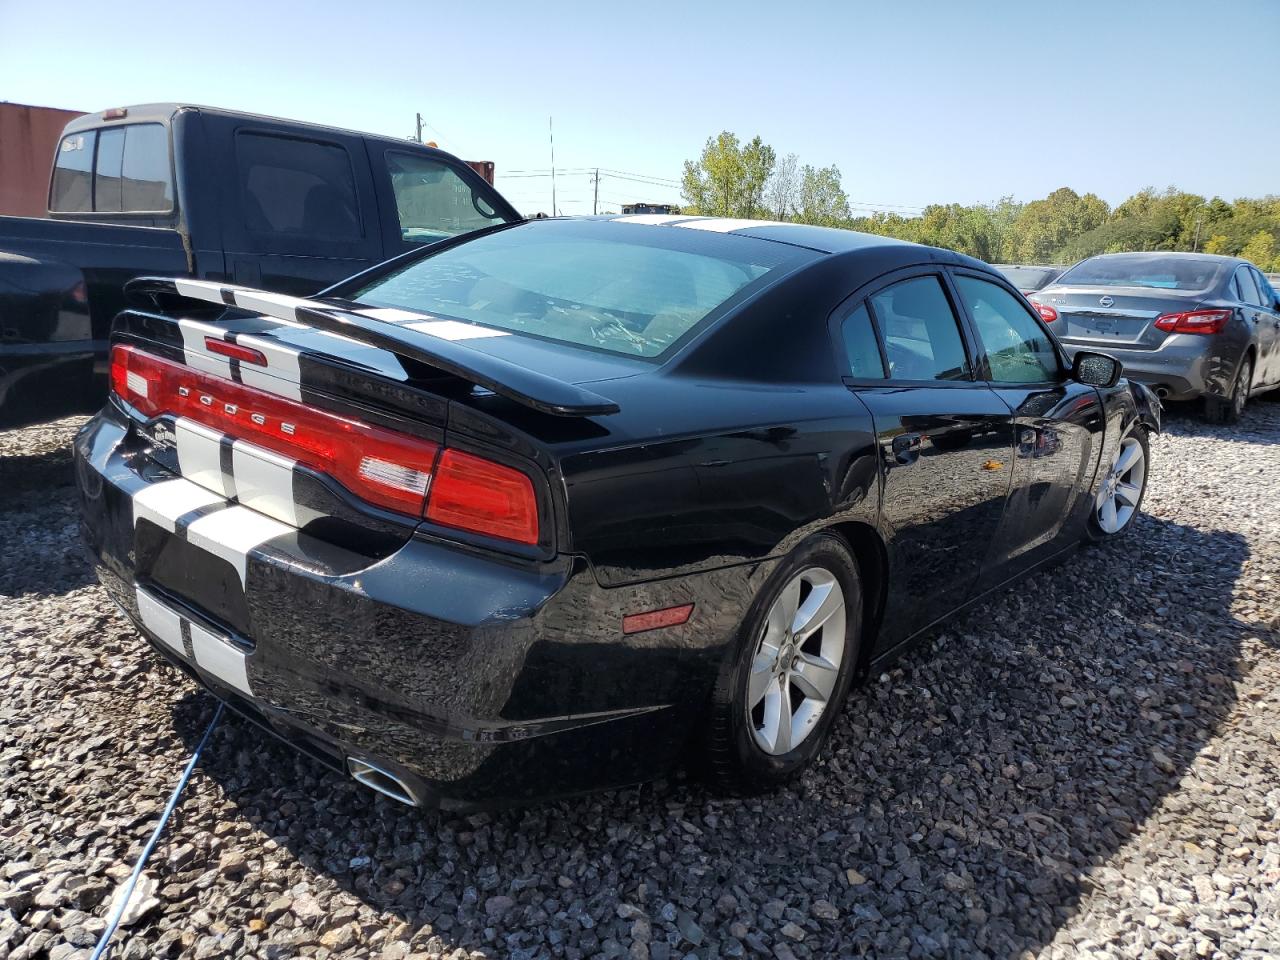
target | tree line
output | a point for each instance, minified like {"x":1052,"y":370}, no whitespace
{"x":749,"y":180}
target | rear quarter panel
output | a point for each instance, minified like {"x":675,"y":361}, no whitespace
{"x":731,"y":474}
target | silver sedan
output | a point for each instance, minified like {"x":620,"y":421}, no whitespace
{"x":1189,"y":325}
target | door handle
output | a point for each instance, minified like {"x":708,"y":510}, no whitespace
{"x":906,"y":448}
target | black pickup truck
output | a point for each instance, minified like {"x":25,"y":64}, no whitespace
{"x":195,"y":191}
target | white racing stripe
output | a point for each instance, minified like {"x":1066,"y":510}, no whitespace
{"x":278,"y":305}
{"x":455,"y":330}
{"x":265,"y":483}
{"x":654,"y":219}
{"x":160,"y":620}
{"x":392,"y":314}
{"x":281,"y":374}
{"x":198,"y":289}
{"x":219,"y":657}
{"x":164,"y":503}
{"x":233,"y":532}
{"x":200,"y":457}
{"x":196,"y":354}
{"x":726,"y":224}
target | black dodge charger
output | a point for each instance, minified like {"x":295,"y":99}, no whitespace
{"x":539,"y":509}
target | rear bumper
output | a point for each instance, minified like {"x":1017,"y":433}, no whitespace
{"x":1184,"y":367}
{"x":474,"y":680}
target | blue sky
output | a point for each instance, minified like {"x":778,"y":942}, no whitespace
{"x":915,"y":101}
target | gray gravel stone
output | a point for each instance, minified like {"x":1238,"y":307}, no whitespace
{"x":1085,"y":765}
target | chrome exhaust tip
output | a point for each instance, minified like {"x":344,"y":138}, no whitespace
{"x":1162,"y":392}
{"x":386,"y":783}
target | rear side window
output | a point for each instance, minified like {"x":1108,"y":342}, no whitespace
{"x":921,"y":335}
{"x":1248,"y":289}
{"x":128,"y":172}
{"x":292,"y":186}
{"x":72,"y":188}
{"x":1018,"y":349}
{"x":433,"y":202}
{"x":861,"y":346}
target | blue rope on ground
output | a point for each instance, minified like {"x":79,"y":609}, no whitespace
{"x":104,"y":941}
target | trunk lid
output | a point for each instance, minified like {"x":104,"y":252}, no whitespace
{"x":1113,"y":316}
{"x":335,"y":419}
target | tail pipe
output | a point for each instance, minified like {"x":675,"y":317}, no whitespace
{"x":383,"y":781}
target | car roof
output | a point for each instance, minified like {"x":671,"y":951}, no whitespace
{"x":819,"y":239}
{"x":164,"y":112}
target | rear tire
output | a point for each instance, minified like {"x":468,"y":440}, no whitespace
{"x":781,"y":689}
{"x":1229,"y":409}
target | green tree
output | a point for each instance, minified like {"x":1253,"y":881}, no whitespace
{"x":728,"y":179}
{"x":822,"y":198}
{"x":1261,"y":251}
{"x":1043,"y":227}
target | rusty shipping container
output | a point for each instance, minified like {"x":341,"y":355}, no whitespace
{"x":28,"y":137}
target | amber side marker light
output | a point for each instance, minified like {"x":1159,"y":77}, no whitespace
{"x":657,"y":619}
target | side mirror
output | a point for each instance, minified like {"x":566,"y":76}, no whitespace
{"x":1096,"y":369}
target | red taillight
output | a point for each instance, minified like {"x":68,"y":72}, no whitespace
{"x":384,"y":467}
{"x":475,"y":494}
{"x":1194,"y":321}
{"x":1047,"y":313}
{"x":656,"y":619}
{"x":235,"y":351}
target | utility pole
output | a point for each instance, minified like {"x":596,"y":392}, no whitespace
{"x":595,"y":200}
{"x":551,"y":134}
{"x":419,"y":136}
{"x":1195,"y":246}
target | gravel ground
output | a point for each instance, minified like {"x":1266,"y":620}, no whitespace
{"x":1084,"y":766}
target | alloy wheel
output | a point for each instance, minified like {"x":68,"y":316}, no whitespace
{"x":1243,"y":381}
{"x":797,"y":661}
{"x":1122,"y":487}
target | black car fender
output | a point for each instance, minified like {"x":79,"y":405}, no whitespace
{"x":1148,"y":409}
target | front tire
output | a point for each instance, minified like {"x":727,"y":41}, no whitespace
{"x":779,"y":693}
{"x":1229,"y":409}
{"x":1124,"y":486}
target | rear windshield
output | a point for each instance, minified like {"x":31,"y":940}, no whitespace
{"x":1029,"y":278}
{"x":1160,"y":272}
{"x":624,"y":288}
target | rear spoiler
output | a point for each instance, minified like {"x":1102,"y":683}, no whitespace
{"x":507,"y":379}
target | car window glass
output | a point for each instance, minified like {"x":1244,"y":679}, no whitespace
{"x":433,"y":201}
{"x":601,"y":285}
{"x":1248,"y":289}
{"x":146,"y":184}
{"x":1265,"y":290}
{"x":1018,"y":348}
{"x":70,"y":191}
{"x":861,"y":347}
{"x":294,"y":186}
{"x":106,"y":171}
{"x":921,"y":336}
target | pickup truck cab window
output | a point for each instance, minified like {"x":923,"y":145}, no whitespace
{"x":433,"y":202}
{"x":72,"y":187}
{"x":117,"y":169}
{"x":296,"y":186}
